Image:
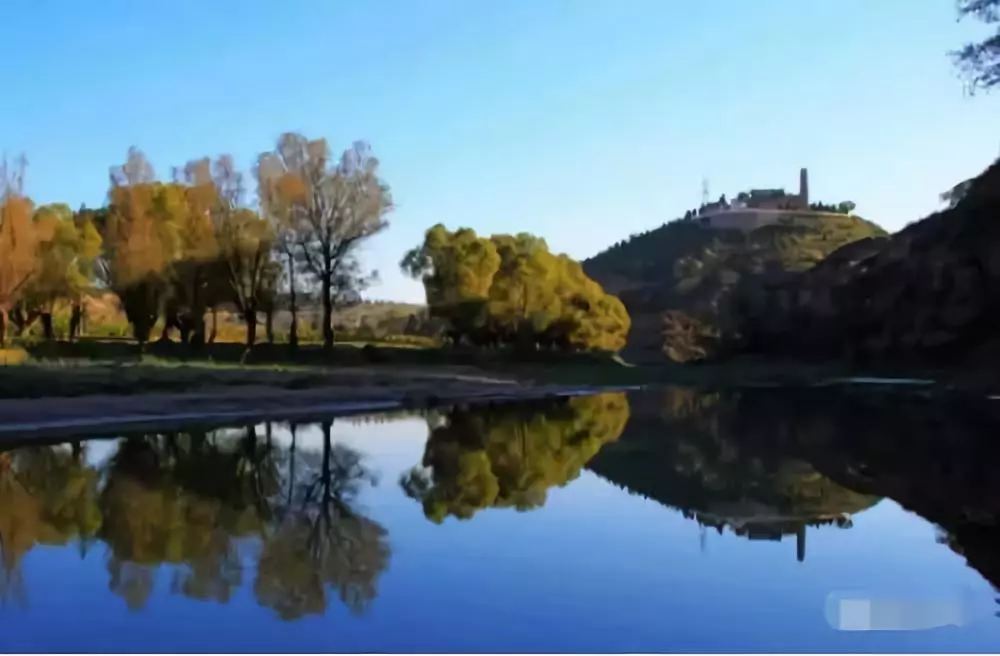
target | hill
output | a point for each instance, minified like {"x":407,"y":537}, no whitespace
{"x":709,"y":471}
{"x":927,"y":294}
{"x":676,"y":280}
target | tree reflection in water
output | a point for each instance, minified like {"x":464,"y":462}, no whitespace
{"x":211,"y":506}
{"x":201,"y":503}
{"x":320,"y":539}
{"x":509,"y":456}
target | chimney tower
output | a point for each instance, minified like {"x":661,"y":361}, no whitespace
{"x":804,"y":186}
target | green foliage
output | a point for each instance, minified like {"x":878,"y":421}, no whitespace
{"x":510,"y":290}
{"x":508,"y":457}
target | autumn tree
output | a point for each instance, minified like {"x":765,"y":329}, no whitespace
{"x":68,"y":245}
{"x":195,"y":261}
{"x":18,"y":240}
{"x":277,"y":189}
{"x":457,"y":270}
{"x":140,"y":239}
{"x":980,"y":62}
{"x":247,"y":266}
{"x":334,"y":206}
{"x":242,"y":238}
{"x":509,"y":289}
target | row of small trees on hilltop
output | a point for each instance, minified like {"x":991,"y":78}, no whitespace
{"x":510,"y":290}
{"x":175,"y":250}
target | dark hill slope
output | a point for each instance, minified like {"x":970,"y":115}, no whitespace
{"x":929,"y":293}
{"x":676,"y":280}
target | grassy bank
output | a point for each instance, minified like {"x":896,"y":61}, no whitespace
{"x":118,"y":367}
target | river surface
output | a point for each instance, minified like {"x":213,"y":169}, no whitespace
{"x":673,"y":520}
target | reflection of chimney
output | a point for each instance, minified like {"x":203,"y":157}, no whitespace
{"x":800,"y":538}
{"x":804,"y":186}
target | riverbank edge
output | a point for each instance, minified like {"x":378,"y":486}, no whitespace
{"x":151,"y":411}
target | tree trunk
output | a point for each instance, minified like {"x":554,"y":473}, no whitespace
{"x":327,"y":430}
{"x":169,"y":321}
{"x":269,"y":324}
{"x":327,"y":316}
{"x":293,"y":329}
{"x":215,"y":325}
{"x":197,"y":339}
{"x":184,"y":328}
{"x":48,"y":332}
{"x":3,"y":328}
{"x":140,"y":331}
{"x":196,"y":315}
{"x":250,"y":317}
{"x":18,"y":318}
{"x":293,"y":429}
{"x":75,"y":319}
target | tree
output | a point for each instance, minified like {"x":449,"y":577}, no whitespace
{"x":980,"y":62}
{"x":334,"y":205}
{"x":67,"y":248}
{"x":511,"y":290}
{"x":457,"y":270}
{"x":140,"y":238}
{"x":196,"y":259}
{"x":18,"y":240}
{"x":276,"y":189}
{"x":846,"y":207}
{"x":245,"y":243}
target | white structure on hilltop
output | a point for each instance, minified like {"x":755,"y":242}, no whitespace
{"x":756,"y":208}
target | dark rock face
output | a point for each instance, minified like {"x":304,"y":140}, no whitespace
{"x":930,"y":292}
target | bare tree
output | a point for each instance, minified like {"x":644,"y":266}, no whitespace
{"x":334,"y":206}
{"x":273,"y":181}
{"x":245,"y":242}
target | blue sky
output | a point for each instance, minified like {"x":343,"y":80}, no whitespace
{"x":579,"y":120}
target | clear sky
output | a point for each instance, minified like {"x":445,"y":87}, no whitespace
{"x":579,"y":120}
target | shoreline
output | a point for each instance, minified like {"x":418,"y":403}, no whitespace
{"x":84,"y":417}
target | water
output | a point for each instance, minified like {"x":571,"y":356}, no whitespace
{"x":669,"y":520}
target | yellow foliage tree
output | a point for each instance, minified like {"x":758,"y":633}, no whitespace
{"x":510,"y":289}
{"x":67,"y":246}
{"x":18,"y":240}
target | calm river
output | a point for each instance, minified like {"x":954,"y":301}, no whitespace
{"x":822,"y":520}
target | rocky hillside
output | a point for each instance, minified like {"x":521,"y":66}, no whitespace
{"x":676,"y":280}
{"x":927,"y":293}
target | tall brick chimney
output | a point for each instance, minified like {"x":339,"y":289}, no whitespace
{"x":804,"y":186}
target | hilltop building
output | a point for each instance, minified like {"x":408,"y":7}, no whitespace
{"x":757,"y":207}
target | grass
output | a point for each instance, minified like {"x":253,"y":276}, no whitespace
{"x":117,"y":367}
